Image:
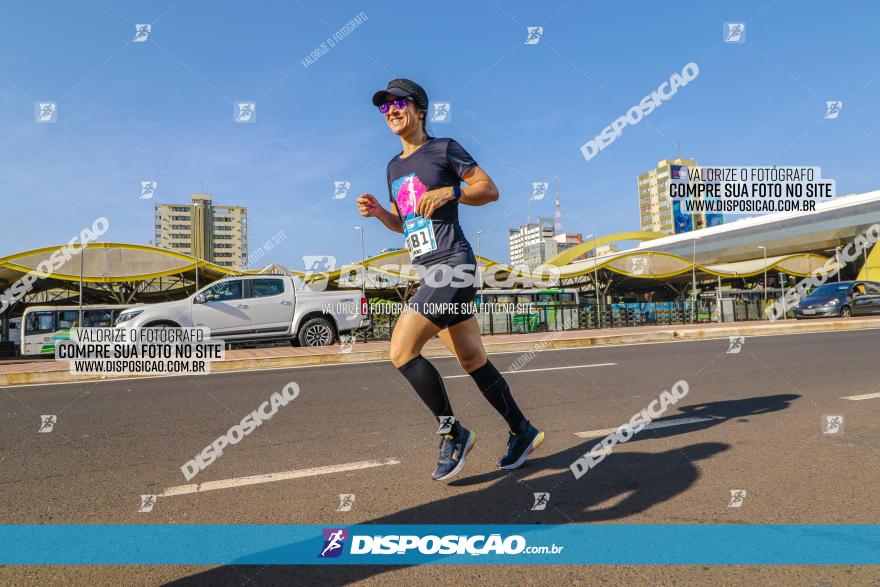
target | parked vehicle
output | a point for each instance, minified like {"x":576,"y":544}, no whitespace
{"x":43,"y":326}
{"x":844,"y":299}
{"x":251,"y":308}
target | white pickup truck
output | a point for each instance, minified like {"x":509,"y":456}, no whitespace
{"x":258,"y":307}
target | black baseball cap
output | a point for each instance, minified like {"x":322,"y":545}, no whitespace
{"x":403,"y":88}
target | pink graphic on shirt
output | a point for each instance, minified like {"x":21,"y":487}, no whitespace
{"x":408,"y":191}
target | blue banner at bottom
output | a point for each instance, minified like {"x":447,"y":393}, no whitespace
{"x":572,"y":544}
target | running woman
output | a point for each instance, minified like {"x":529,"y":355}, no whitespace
{"x":424,"y":185}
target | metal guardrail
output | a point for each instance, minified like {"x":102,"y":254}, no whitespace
{"x":585,"y":317}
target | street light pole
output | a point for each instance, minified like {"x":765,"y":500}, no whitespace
{"x":694,"y":283}
{"x":479,"y":274}
{"x":782,"y":285}
{"x":836,"y":259}
{"x":765,"y":271}
{"x":363,"y":260}
{"x":595,"y":280}
{"x":82,"y":254}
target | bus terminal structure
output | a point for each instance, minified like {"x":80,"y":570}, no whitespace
{"x":746,"y":255}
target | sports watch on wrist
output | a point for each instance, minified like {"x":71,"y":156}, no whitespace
{"x":456,"y":193}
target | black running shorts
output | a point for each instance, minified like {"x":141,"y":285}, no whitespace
{"x":446,"y":293}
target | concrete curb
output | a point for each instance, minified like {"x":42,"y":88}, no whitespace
{"x":668,"y":335}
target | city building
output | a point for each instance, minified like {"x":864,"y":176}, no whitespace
{"x":218,"y":234}
{"x":657,"y":213}
{"x":538,"y":253}
{"x":603,"y":250}
{"x":531,"y":233}
{"x":599,"y":251}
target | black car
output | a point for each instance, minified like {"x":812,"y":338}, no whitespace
{"x":844,"y":299}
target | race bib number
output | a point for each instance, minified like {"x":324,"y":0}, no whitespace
{"x":419,"y":234}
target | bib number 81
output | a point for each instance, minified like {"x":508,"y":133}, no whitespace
{"x":415,"y":239}
{"x":419,"y":237}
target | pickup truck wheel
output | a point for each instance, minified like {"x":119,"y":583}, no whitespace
{"x":317,"y":331}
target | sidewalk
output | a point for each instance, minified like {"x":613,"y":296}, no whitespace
{"x":23,"y":371}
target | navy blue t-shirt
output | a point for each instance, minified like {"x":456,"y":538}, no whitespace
{"x":436,"y":164}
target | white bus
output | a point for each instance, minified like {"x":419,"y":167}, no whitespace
{"x":41,"y":326}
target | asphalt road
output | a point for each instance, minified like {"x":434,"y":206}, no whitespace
{"x":754,"y":423}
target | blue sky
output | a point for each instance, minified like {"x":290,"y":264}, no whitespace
{"x":163,"y":109}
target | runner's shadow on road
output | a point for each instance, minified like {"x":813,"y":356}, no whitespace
{"x":714,"y":413}
{"x":624,"y":484}
{"x":711,"y":414}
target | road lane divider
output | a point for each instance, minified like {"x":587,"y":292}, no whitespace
{"x":271,"y":477}
{"x":861,"y":397}
{"x":542,"y":369}
{"x":651,"y":426}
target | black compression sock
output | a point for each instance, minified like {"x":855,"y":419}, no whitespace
{"x":495,"y":389}
{"x":427,"y":382}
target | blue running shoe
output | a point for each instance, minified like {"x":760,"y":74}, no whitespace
{"x":519,"y":446}
{"x":453,"y":452}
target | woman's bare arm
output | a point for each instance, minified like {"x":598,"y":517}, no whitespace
{"x":479,"y":191}
{"x":391,"y":220}
{"x":369,"y":206}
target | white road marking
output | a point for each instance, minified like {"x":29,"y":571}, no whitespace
{"x":651,"y":426}
{"x":270,"y":477}
{"x":860,"y":397}
{"x":543,"y":369}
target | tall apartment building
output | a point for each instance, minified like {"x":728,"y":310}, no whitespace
{"x":656,"y":210}
{"x":213,"y":233}
{"x":534,"y":243}
{"x":531,"y":233}
{"x":539,"y":253}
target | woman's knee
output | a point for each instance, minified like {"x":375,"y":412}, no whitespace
{"x":401,"y":354}
{"x":473,"y":361}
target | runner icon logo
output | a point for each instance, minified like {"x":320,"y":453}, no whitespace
{"x":832,"y":425}
{"x":533,"y":35}
{"x":639,"y":265}
{"x":539,"y":189}
{"x":340,"y":189}
{"x":736,"y":344}
{"x":142,"y":32}
{"x":317,"y":273}
{"x":737,"y":497}
{"x":832,"y":109}
{"x":446,"y":424}
{"x":346,"y":342}
{"x":319,"y":264}
{"x":734,"y":32}
{"x":148,"y":189}
{"x":346,"y":500}
{"x":47,"y":423}
{"x":45,"y":112}
{"x":334,"y":538}
{"x":245,"y":112}
{"x":147,"y":503}
{"x":541,"y":501}
{"x":442,"y":112}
